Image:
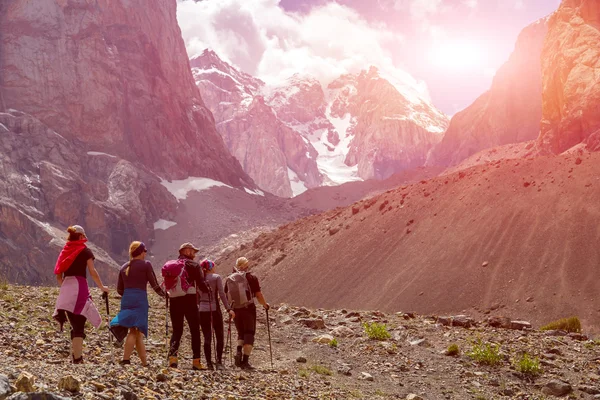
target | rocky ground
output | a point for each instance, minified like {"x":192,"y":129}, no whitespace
{"x":411,"y":364}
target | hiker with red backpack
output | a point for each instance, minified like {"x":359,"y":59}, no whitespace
{"x":241,"y":288}
{"x":183,"y":278}
{"x":211,"y":318}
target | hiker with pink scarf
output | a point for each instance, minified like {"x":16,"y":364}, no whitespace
{"x":74,"y":300}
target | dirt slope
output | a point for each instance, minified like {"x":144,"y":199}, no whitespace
{"x":422,"y":247}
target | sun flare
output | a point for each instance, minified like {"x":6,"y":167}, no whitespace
{"x":461,"y":55}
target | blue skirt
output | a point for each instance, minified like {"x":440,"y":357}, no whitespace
{"x":133,"y":314}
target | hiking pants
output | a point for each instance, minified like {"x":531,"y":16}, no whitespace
{"x":245,"y":323}
{"x":180,"y":308}
{"x":217,"y":328}
{"x":77,"y":325}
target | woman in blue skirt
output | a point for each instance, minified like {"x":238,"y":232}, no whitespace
{"x":132,"y":320}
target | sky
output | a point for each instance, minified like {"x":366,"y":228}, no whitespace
{"x":446,"y":50}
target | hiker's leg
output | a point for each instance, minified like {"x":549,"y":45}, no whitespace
{"x":239,"y":327}
{"x":205,"y":324}
{"x":249,"y":331}
{"x":191,"y":315}
{"x":77,"y":334}
{"x":177,"y":311}
{"x":218,"y":326}
{"x":140,"y":347}
{"x":129,"y":343}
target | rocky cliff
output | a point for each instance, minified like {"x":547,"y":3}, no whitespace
{"x":510,"y":112}
{"x":358,"y":127}
{"x":571,"y":83}
{"x":97,"y":105}
{"x":115,"y":76}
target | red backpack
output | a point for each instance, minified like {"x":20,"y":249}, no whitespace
{"x":175,"y":278}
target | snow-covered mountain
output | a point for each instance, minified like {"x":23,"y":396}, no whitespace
{"x":301,"y":134}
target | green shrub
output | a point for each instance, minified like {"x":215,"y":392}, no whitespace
{"x":321,"y":370}
{"x":334,"y":343}
{"x":486,"y":353}
{"x":527,"y":365}
{"x":453,"y":350}
{"x":3,"y":283}
{"x":572,"y":324}
{"x":303,"y":373}
{"x":376,"y":331}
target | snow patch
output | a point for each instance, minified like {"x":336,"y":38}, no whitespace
{"x":97,"y":153}
{"x":256,"y":192}
{"x":163,"y":224}
{"x":298,"y":187}
{"x":181,"y":188}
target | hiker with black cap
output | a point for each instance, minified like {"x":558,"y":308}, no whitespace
{"x":182,"y":280}
{"x":241,"y":289}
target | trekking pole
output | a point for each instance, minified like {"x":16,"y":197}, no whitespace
{"x":229,"y":336}
{"x":269,"y":333}
{"x":105,"y":297}
{"x":167,"y":326}
{"x":212,"y":330}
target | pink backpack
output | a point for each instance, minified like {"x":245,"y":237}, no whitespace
{"x":175,"y":277}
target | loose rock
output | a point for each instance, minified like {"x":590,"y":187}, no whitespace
{"x":69,"y":383}
{"x":25,"y":382}
{"x":557,"y":388}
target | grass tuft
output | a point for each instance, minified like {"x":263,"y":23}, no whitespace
{"x":376,"y":331}
{"x":453,"y":350}
{"x":486,"y":353}
{"x":321,"y":370}
{"x":334,"y":343}
{"x":528,"y":366}
{"x":572,"y":324}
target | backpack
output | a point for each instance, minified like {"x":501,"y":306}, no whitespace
{"x":238,"y":290}
{"x":175,"y":277}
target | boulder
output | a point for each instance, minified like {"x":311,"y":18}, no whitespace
{"x":25,"y":382}
{"x":557,"y":388}
{"x":520,"y":325}
{"x":313,"y":323}
{"x":5,"y":389}
{"x":323,"y":339}
{"x":69,"y":383}
{"x":499,"y":322}
{"x":342,"y":331}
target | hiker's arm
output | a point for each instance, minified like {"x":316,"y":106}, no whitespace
{"x":261,"y":300}
{"x":201,"y":281}
{"x":223,"y":297}
{"x":95,"y":276}
{"x":120,"y":285}
{"x":153,"y":282}
{"x":59,"y":279}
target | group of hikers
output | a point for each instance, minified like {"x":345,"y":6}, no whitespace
{"x":191,"y":291}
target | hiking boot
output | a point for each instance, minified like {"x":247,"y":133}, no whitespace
{"x":172,"y":361}
{"x":125,"y":362}
{"x":219,"y":366}
{"x":210,"y":366}
{"x":78,"y":360}
{"x":238,"y":360}
{"x":197,"y":365}
{"x":246,"y":366}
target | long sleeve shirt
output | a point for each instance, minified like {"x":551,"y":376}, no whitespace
{"x":137,"y":274}
{"x":210,"y":302}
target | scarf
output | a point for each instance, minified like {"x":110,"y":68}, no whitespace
{"x":68,"y":254}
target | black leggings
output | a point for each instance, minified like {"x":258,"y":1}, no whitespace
{"x":180,"y":308}
{"x":245,"y":323}
{"x":217,"y":322}
{"x":77,"y":325}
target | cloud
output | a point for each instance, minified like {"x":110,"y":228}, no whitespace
{"x":519,"y":4}
{"x":419,"y":9}
{"x":262,"y":39}
{"x":470,"y":3}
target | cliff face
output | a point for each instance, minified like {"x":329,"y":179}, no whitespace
{"x":571,"y":83}
{"x":113,"y":75}
{"x":510,"y":112}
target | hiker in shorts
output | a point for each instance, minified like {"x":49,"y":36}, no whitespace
{"x":131,"y":323}
{"x":74,"y":301}
{"x":188,"y":279}
{"x":211,"y":318}
{"x":242,"y":288}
